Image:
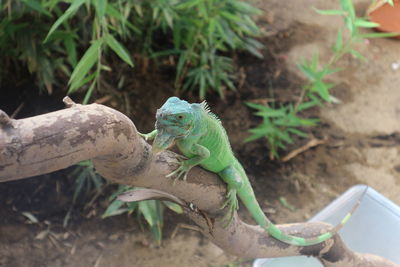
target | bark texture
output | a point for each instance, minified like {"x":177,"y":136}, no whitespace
{"x":56,"y":140}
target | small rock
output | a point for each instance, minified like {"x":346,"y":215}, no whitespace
{"x":395,"y":65}
{"x":113,"y":237}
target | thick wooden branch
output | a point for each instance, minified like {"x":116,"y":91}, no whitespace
{"x":56,"y":140}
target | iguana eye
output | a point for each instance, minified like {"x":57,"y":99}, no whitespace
{"x":180,"y":117}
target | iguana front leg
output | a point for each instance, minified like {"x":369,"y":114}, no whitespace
{"x":200,"y":153}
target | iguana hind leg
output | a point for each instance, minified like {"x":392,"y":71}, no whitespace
{"x":232,"y":177}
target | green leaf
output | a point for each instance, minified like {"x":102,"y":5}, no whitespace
{"x":307,"y":70}
{"x":36,"y":5}
{"x":187,"y":4}
{"x":110,"y":10}
{"x":253,"y":46}
{"x":114,"y":209}
{"x":254,"y":137}
{"x":379,"y":34}
{"x":365,"y":24}
{"x":181,"y":65}
{"x":120,"y":190}
{"x":30,"y":216}
{"x":203,"y":86}
{"x":202,"y":10}
{"x":173,"y":206}
{"x":322,"y":89}
{"x":168,"y":17}
{"x":79,"y":184}
{"x":328,"y":71}
{"x":100,"y":7}
{"x":306,"y":105}
{"x":273,"y":113}
{"x":151,"y":211}
{"x":211,"y":27}
{"x":246,"y":8}
{"x":230,"y":16}
{"x":70,"y":46}
{"x":258,"y":106}
{"x":329,"y":11}
{"x":339,"y":41}
{"x":78,"y":84}
{"x":118,"y":49}
{"x":308,"y":122}
{"x":85,"y":163}
{"x":147,"y":212}
{"x":177,"y":35}
{"x":86,"y":62}
{"x":89,"y":92}
{"x":69,"y":12}
{"x":314,"y":61}
{"x":297,"y":132}
{"x":284,"y":136}
{"x":156,"y":232}
{"x":358,"y":55}
{"x":314,"y":98}
{"x":347,"y":5}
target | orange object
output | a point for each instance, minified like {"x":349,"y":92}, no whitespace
{"x":387,"y":16}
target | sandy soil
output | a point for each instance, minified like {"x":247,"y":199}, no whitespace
{"x":363,"y":135}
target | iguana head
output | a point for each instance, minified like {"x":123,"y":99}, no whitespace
{"x":175,"y":119}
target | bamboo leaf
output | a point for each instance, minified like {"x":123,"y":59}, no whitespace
{"x":258,"y":106}
{"x":297,"y":132}
{"x":347,"y":5}
{"x":114,"y":209}
{"x":365,"y":24}
{"x":69,"y":12}
{"x":187,"y":4}
{"x":86,"y":62}
{"x":30,"y":216}
{"x":77,"y":84}
{"x":379,"y":34}
{"x":110,"y":10}
{"x":71,"y":50}
{"x":322,"y":89}
{"x":358,"y":55}
{"x":119,"y":49}
{"x":173,"y":206}
{"x":339,"y":41}
{"x":89,"y":92}
{"x":36,"y":5}
{"x":100,"y":7}
{"x":246,"y":8}
{"x":307,"y":70}
{"x":168,"y":17}
{"x":329,"y":11}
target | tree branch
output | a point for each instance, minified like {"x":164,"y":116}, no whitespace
{"x":56,"y":140}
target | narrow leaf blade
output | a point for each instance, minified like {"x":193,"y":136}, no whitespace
{"x":119,"y":49}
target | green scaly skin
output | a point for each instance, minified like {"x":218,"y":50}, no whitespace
{"x":200,"y":136}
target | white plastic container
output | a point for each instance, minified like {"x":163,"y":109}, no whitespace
{"x":373,"y":228}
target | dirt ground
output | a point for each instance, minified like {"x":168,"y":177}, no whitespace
{"x":362,"y":133}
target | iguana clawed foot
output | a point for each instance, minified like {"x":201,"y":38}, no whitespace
{"x":233,"y":205}
{"x":183,"y":169}
{"x":147,"y":137}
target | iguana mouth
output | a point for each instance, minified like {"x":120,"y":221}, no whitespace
{"x":163,"y":141}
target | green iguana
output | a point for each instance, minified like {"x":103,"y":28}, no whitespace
{"x":200,"y":136}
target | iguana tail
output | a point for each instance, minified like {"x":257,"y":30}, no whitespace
{"x":246,"y":195}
